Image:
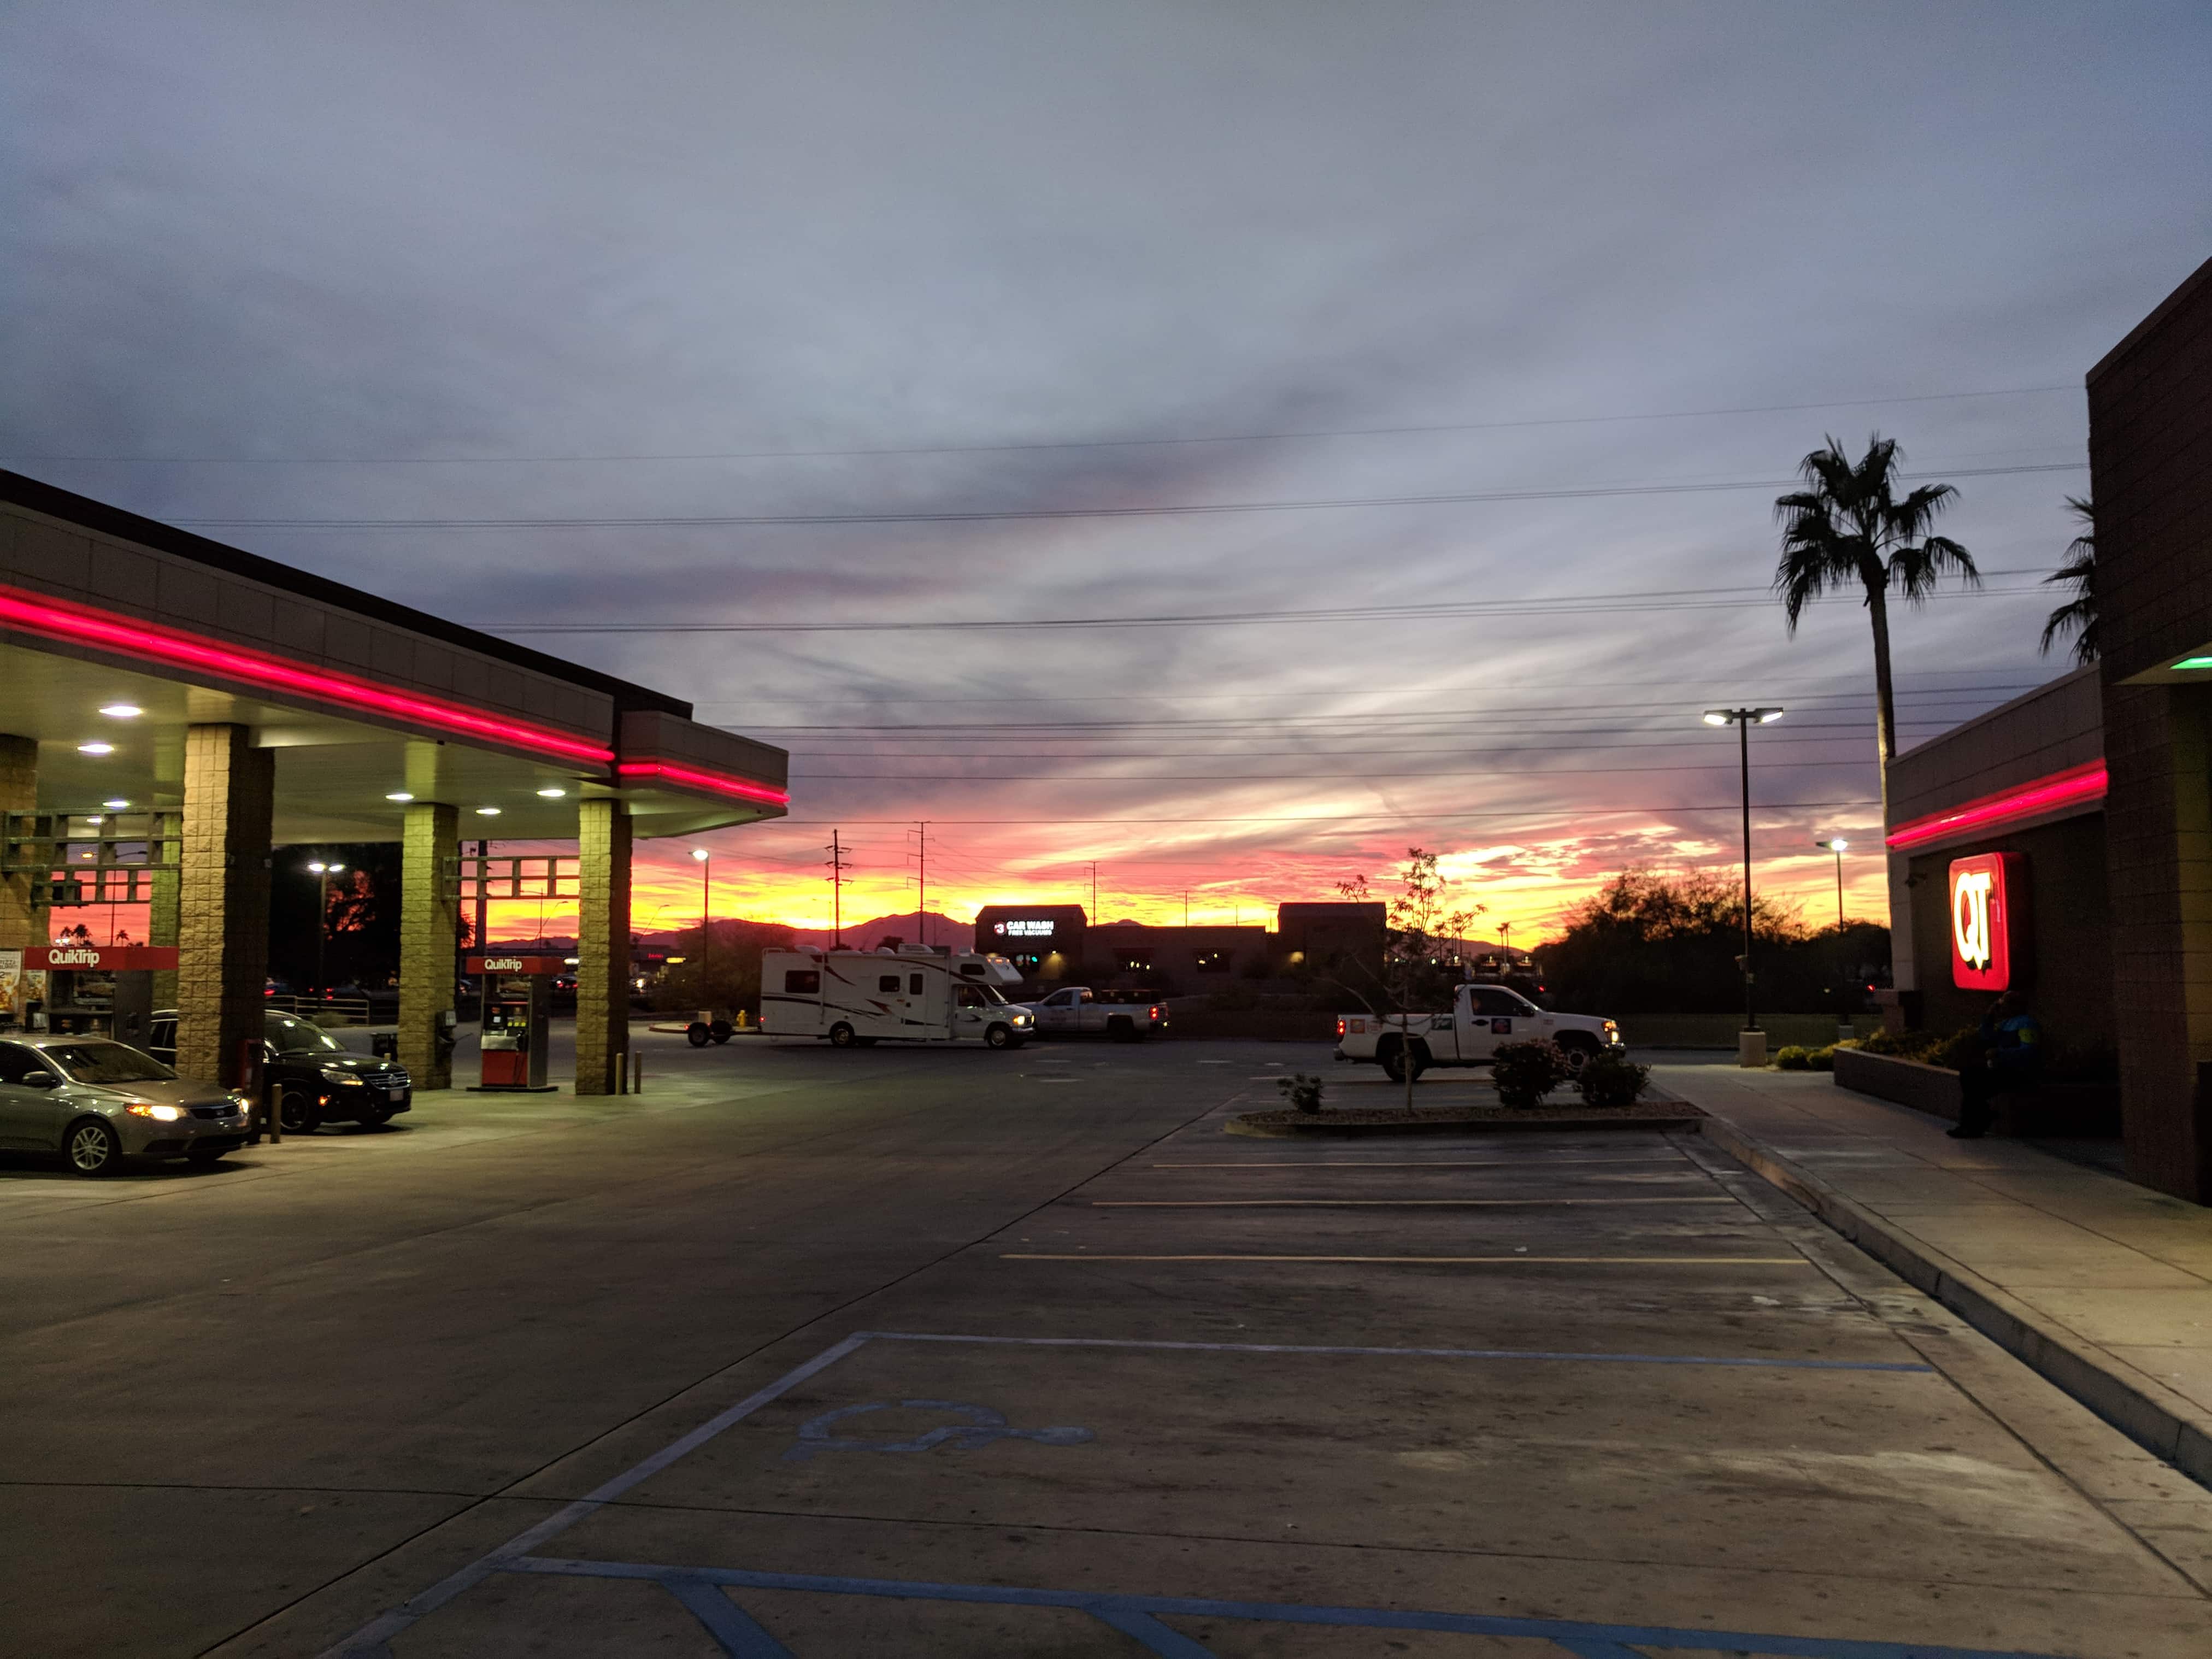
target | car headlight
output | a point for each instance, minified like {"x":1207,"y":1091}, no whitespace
{"x":1021,"y":1020}
{"x":159,"y":1114}
{"x":341,"y":1077}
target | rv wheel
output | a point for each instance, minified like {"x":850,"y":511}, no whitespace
{"x":999,"y":1036}
{"x":696,"y":1034}
{"x":841,"y":1035}
{"x":722,"y":1030}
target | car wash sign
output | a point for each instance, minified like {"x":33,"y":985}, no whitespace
{"x":1988,"y":896}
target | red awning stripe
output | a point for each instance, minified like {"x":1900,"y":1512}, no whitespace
{"x":718,"y":783}
{"x":75,"y":624}
{"x":2074,"y":787}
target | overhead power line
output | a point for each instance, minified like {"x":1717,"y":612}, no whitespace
{"x":1676,"y":599}
{"x":1045,"y":444}
{"x":1381,"y":818}
{"x":977,"y":515}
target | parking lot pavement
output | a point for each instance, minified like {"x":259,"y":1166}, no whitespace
{"x":961,"y":1354}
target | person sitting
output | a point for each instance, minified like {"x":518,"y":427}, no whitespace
{"x":2007,"y":1059}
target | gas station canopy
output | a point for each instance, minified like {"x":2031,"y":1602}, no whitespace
{"x":118,"y":634}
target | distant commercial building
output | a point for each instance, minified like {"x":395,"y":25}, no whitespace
{"x":1045,"y":941}
{"x":2062,"y":843}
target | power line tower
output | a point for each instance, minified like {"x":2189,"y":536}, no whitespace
{"x":837,"y":867}
{"x":921,"y":879}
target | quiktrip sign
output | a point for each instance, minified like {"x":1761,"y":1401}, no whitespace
{"x":1988,"y":894}
{"x":101,"y":958}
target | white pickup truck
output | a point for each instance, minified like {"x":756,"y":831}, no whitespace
{"x":1076,"y":1010}
{"x":1482,"y":1018}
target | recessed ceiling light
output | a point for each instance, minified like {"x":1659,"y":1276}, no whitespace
{"x":552,"y":794}
{"x":399,"y":795}
{"x":123,"y":711}
{"x":95,"y":749}
{"x":115,"y":805}
{"x":487,"y":812}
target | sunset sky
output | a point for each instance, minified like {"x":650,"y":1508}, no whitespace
{"x":961,"y":396}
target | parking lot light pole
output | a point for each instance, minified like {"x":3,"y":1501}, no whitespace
{"x":706,"y":911}
{"x":1751,"y":1043}
{"x":1836,"y":844}
{"x":323,"y":873}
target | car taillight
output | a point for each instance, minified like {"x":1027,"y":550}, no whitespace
{"x":1156,"y":1013}
{"x":1340,"y":1028}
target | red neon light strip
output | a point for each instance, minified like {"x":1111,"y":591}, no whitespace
{"x":78,"y":625}
{"x":2071,"y":787}
{"x":716,"y":782}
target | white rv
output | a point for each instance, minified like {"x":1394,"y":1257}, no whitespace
{"x":912,"y":994}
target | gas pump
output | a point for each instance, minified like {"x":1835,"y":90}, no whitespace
{"x":100,"y":988}
{"x":517,"y":1007}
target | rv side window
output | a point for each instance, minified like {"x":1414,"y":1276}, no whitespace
{"x":914,"y":985}
{"x":887,"y":982}
{"x":802,"y":981}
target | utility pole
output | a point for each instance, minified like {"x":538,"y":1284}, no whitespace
{"x":1094,"y":891}
{"x":1185,"y":906}
{"x":836,"y":851}
{"x":921,"y":884}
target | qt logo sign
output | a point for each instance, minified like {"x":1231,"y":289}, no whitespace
{"x":1985,"y":894}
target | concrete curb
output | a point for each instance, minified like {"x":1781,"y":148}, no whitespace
{"x":2156,"y":1419}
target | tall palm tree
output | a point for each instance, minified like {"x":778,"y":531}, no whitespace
{"x":2078,"y":615}
{"x":1848,"y":525}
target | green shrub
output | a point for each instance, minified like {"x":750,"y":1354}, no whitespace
{"x":1794,"y":1058}
{"x":1526,"y":1072}
{"x":1303,"y":1092}
{"x":1822,"y":1060}
{"x":1610,"y":1077}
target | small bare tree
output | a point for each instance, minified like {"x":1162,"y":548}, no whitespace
{"x":1414,"y":969}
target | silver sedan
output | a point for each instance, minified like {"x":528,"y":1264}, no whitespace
{"x":98,"y":1102}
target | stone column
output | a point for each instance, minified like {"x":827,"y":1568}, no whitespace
{"x":603,"y":837}
{"x":19,"y":792}
{"x":222,"y":900}
{"x":429,"y":932}
{"x":162,"y":915}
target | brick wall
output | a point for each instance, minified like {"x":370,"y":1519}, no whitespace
{"x":2150,"y":456}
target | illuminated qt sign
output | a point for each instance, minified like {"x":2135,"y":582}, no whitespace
{"x":1986,"y":892}
{"x":1022,"y":929}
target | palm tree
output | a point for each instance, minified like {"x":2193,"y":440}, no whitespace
{"x":2078,"y":615}
{"x":1847,"y":525}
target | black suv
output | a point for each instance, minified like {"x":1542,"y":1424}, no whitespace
{"x":316,"y":1079}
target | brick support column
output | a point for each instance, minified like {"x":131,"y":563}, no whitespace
{"x":2158,"y":852}
{"x":429,"y":933}
{"x":163,"y":914}
{"x":603,"y":838}
{"x":19,"y":792}
{"x":222,"y":900}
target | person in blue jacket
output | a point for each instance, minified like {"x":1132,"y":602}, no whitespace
{"x":2008,"y":1060}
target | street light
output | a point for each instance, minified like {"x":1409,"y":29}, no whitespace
{"x":1743,"y":720}
{"x":1836,"y":844}
{"x":706,"y":909}
{"x":323,"y":872}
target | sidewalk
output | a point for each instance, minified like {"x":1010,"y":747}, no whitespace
{"x":2103,"y":1286}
